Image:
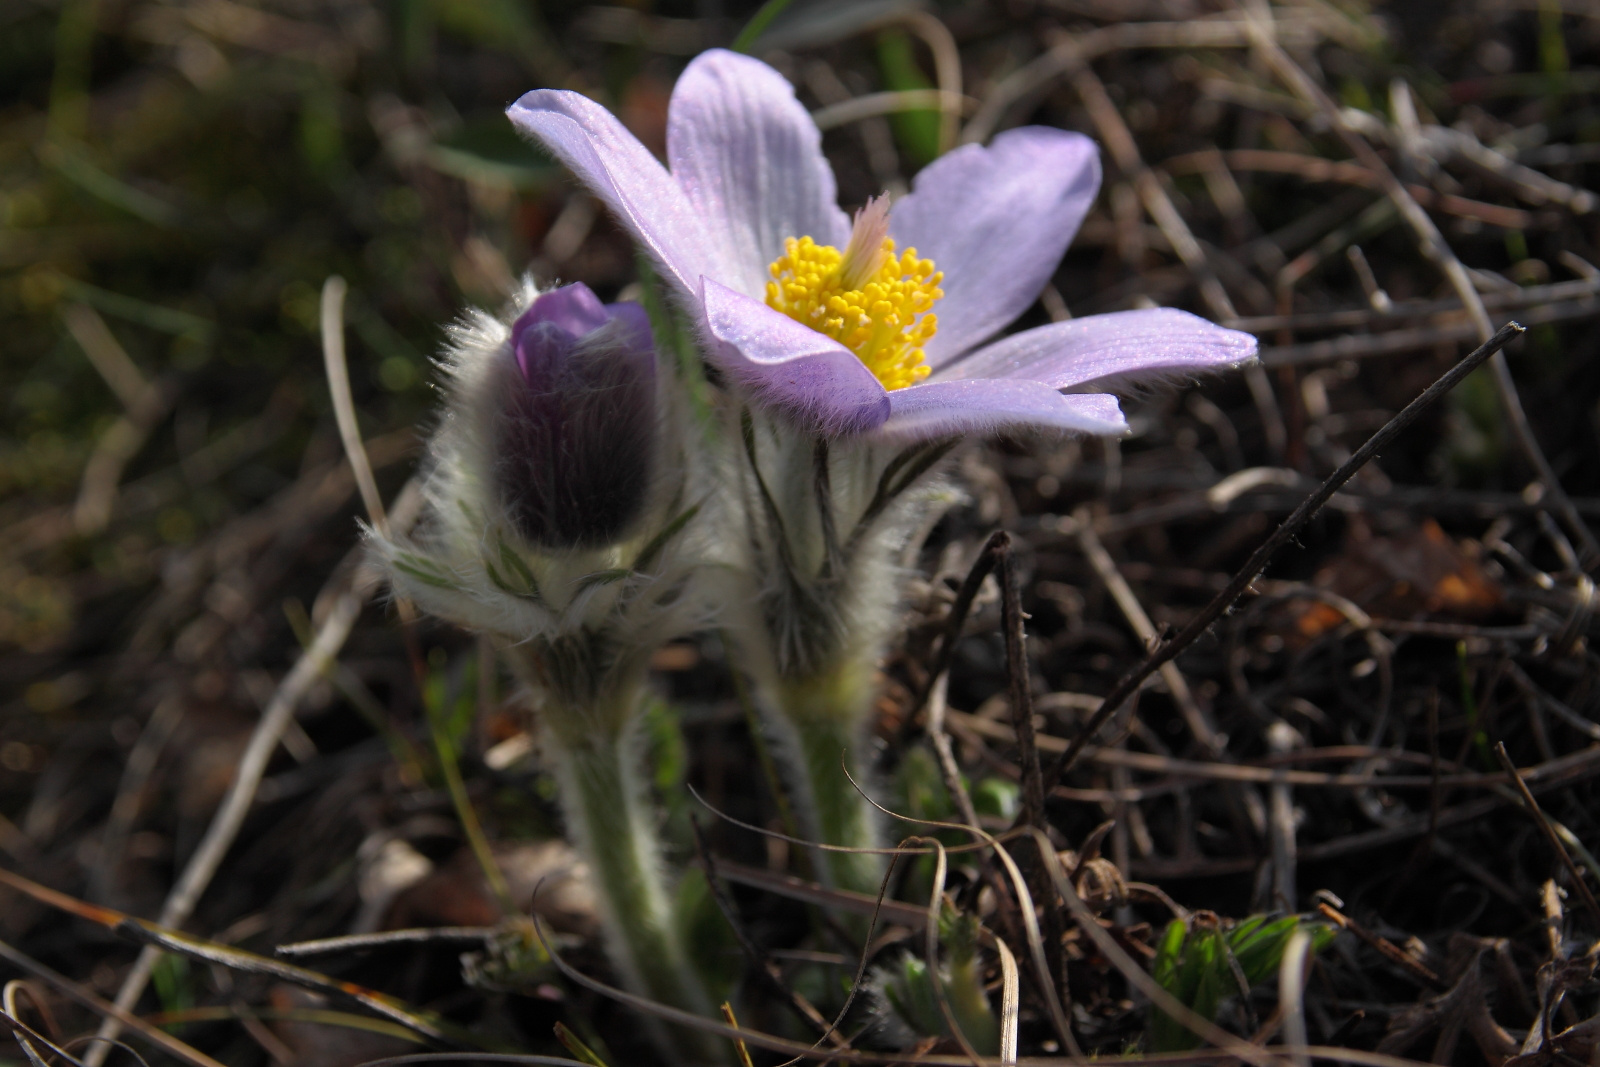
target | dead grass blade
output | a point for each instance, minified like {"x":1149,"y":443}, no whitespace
{"x":76,"y":992}
{"x":158,"y":938}
{"x":1386,"y":948}
{"x":459,"y":935}
{"x":344,"y":410}
{"x":1537,"y":814}
{"x":25,"y":1036}
{"x":739,"y":1046}
{"x":1010,"y":1003}
{"x":379,"y":1004}
{"x":1291,"y":994}
{"x":930,"y":947}
{"x":1136,"y":975}
{"x":1049,"y":991}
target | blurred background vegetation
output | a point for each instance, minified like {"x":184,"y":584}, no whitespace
{"x":179,"y":177}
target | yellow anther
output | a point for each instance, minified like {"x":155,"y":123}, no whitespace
{"x":868,"y":298}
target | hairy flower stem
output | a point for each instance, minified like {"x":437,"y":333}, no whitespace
{"x":608,"y":815}
{"x":824,"y":719}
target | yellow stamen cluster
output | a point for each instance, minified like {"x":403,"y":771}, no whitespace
{"x":884,"y":318}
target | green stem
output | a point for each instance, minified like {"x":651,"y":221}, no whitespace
{"x":824,"y":723}
{"x":769,"y":767}
{"x":758,"y":24}
{"x":609,"y":818}
{"x":969,"y":1003}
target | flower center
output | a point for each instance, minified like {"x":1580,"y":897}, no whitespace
{"x":867,"y":298}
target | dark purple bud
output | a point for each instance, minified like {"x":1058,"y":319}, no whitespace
{"x":576,"y":443}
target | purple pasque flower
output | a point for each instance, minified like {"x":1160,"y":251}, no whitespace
{"x":574,"y":443}
{"x":746,"y":227}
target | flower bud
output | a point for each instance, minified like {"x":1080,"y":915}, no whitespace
{"x":576,"y":437}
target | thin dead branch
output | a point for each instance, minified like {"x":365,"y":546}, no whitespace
{"x":1580,"y":886}
{"x":1258,"y":561}
{"x":1435,"y":248}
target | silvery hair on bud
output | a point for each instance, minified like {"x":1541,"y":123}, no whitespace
{"x":532,"y":497}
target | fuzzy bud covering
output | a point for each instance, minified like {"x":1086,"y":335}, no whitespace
{"x":560,"y":498}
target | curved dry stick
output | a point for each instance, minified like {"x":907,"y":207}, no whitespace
{"x":24,"y":1034}
{"x":344,"y":408}
{"x":930,"y":948}
{"x":8,"y":1002}
{"x":1136,"y":975}
{"x":77,"y":993}
{"x":1010,"y":1003}
{"x":894,"y":101}
{"x":883,"y":850}
{"x":1025,"y":908}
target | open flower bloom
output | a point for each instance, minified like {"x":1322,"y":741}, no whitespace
{"x":877,"y":327}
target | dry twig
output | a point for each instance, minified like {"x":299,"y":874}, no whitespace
{"x":1224,"y":600}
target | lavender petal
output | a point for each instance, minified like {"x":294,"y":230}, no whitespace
{"x":1097,"y":353}
{"x":749,"y":159}
{"x":981,"y":406}
{"x":996,"y":221}
{"x":636,"y":320}
{"x":789,"y":368}
{"x":572,"y":308}
{"x":619,"y":170}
